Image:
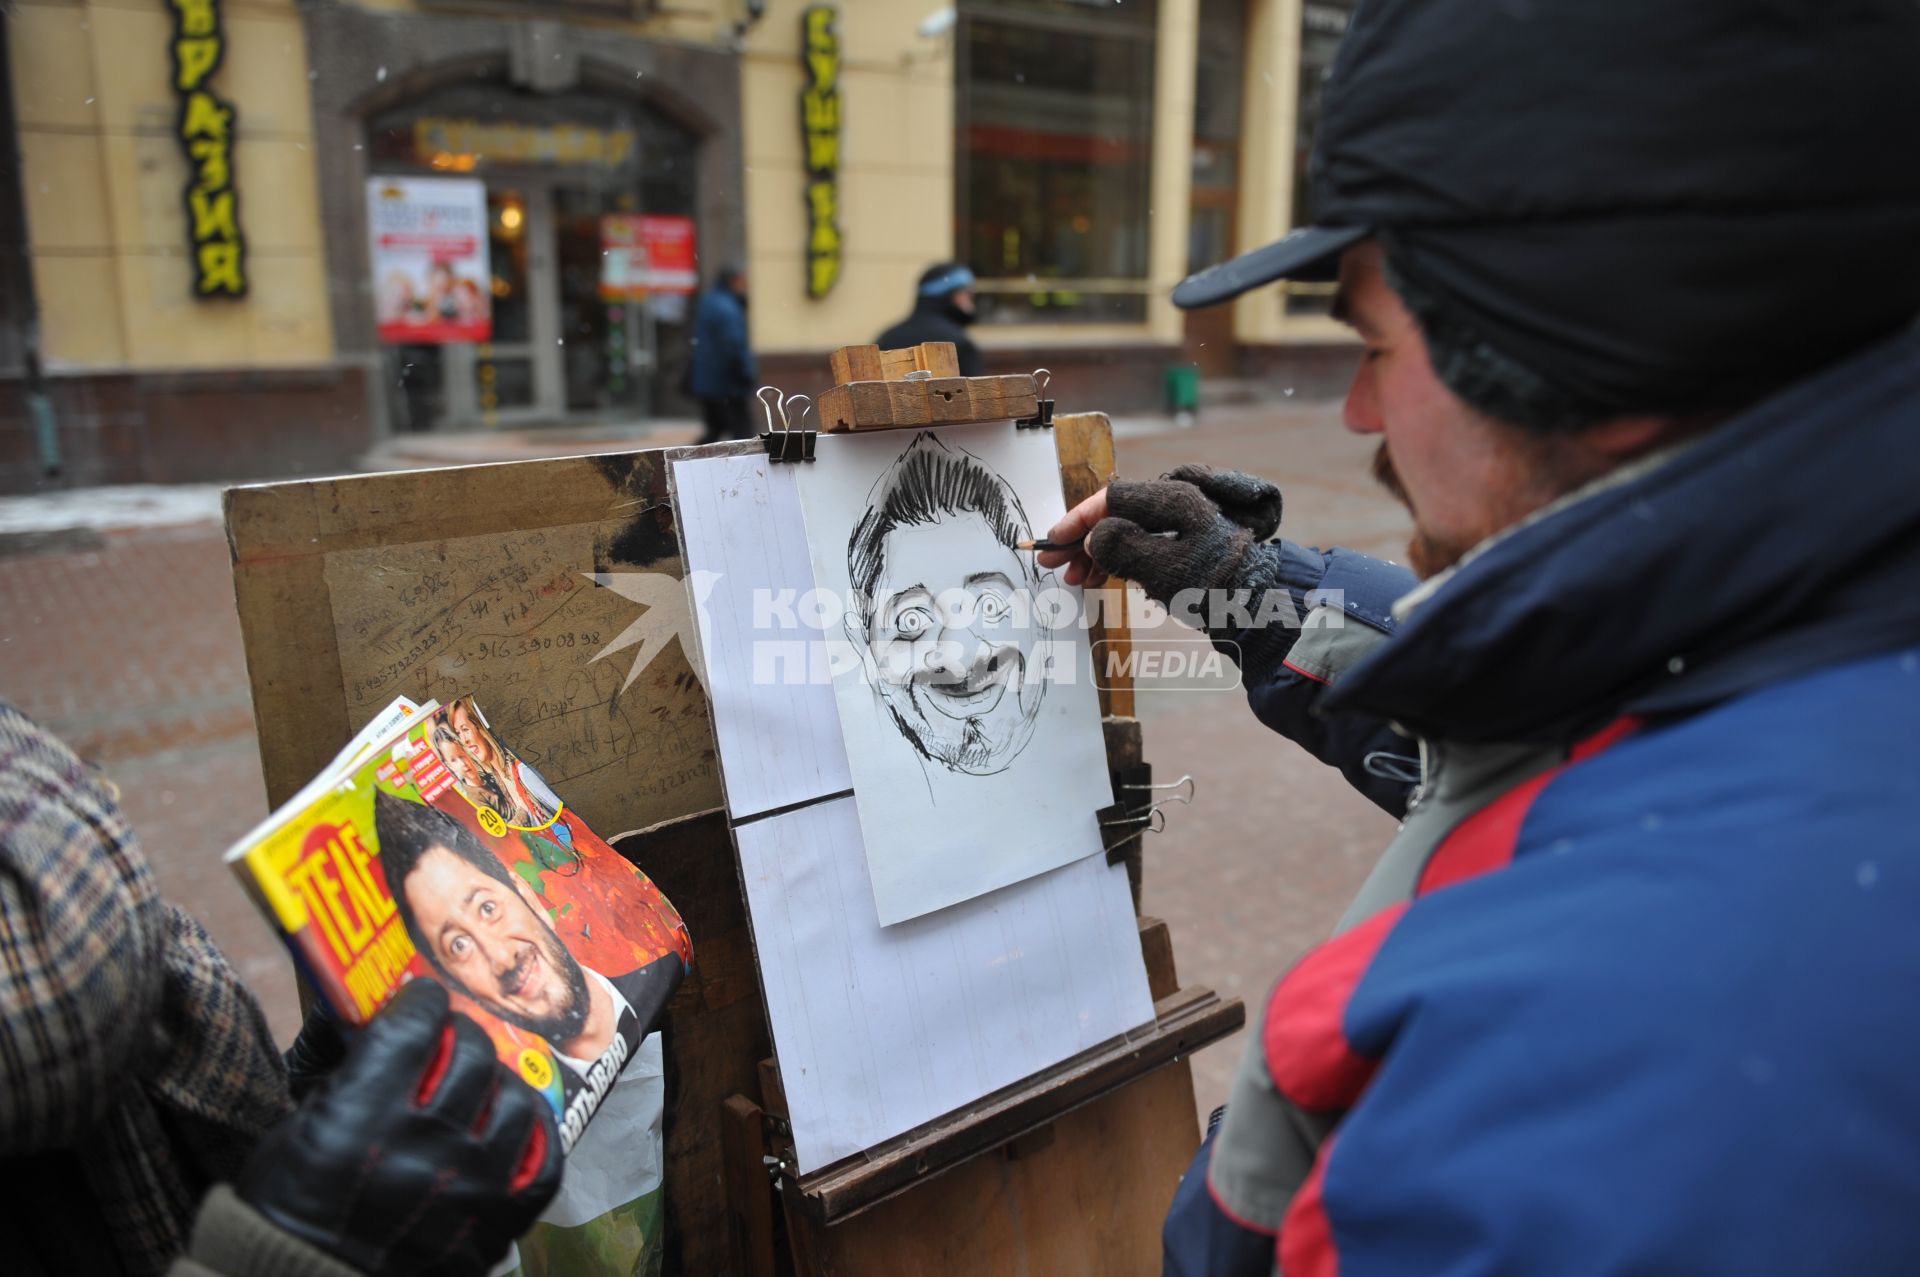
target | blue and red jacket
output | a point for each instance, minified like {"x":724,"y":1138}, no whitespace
{"x":1633,"y":990}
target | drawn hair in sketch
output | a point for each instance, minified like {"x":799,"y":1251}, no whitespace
{"x":943,"y":611}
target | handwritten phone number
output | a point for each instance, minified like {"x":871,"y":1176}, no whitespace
{"x":529,"y":645}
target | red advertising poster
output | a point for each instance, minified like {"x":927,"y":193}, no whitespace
{"x":646,"y":253}
{"x":431,"y":280}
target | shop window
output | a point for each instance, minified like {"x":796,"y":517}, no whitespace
{"x":1054,"y":166}
{"x":1217,"y":84}
{"x":1322,"y":23}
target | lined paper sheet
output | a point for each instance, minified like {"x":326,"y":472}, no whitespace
{"x":779,"y":735}
{"x":877,"y":1029}
{"x":880,"y":1029}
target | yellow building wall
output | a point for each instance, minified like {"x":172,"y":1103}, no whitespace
{"x":896,"y":172}
{"x":102,"y":175}
{"x":1269,"y":114}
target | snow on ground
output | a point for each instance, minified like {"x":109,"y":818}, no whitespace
{"x":142,"y":505}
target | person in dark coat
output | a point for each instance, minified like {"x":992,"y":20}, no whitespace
{"x":942,"y":309}
{"x":720,"y":372}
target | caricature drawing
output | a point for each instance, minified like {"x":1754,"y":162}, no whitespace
{"x":942,"y":612}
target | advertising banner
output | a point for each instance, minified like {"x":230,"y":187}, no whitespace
{"x":431,"y":278}
{"x":643,"y":254}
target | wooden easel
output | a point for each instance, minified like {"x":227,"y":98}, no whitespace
{"x":470,"y":580}
{"x":1070,"y":1170}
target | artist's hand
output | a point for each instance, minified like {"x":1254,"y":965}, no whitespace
{"x":421,"y":1154}
{"x":1197,"y":528}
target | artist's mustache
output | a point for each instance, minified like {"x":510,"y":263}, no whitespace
{"x":1388,"y":477}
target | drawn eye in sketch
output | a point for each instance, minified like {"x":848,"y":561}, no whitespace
{"x":944,"y":612}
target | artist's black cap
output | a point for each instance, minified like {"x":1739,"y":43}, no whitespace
{"x":1310,"y":253}
{"x":1453,"y":122}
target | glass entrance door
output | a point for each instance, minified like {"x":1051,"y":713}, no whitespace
{"x":609,"y":335}
{"x":515,"y":378}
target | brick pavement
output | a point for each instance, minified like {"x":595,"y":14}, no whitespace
{"x":126,"y":643}
{"x":129,"y":648}
{"x":1274,"y":845}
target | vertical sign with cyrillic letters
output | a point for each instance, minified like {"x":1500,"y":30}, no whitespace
{"x":820,"y":125}
{"x":205,"y":127}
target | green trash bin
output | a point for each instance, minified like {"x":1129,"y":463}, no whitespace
{"x":1183,"y":388}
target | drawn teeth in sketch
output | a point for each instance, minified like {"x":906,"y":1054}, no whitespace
{"x":944,"y":613}
{"x":974,"y":694}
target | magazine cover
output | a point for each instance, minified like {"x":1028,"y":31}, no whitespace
{"x":430,"y":848}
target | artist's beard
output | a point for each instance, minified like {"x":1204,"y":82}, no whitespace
{"x":1427,"y":554}
{"x":569,"y":1022}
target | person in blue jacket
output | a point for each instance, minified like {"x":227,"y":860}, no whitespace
{"x":1631,"y":991}
{"x":720,"y":368}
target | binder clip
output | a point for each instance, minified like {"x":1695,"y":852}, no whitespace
{"x":1137,"y":808}
{"x":1042,"y":419}
{"x":1150,"y":821}
{"x":786,"y":443}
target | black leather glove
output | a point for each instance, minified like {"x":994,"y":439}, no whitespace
{"x":316,"y":1051}
{"x":420,"y":1154}
{"x":1196,"y":529}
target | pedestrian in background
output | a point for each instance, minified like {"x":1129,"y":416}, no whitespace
{"x":943,"y":307}
{"x":721,"y":372}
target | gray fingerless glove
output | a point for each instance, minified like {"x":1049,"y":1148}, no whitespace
{"x":1246,"y":499}
{"x":1196,"y":529}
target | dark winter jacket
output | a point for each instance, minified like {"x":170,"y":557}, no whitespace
{"x":936,"y":319}
{"x":1631,"y":991}
{"x":721,"y":364}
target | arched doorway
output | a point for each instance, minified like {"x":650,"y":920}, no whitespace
{"x":572,"y":182}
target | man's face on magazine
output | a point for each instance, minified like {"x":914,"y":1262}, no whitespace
{"x":499,"y":949}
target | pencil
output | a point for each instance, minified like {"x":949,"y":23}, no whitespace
{"x":1050,"y":545}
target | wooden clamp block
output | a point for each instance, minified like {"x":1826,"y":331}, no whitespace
{"x":872,"y":390}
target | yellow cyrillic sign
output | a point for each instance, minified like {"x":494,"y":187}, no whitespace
{"x":820,"y":128}
{"x":205,"y":128}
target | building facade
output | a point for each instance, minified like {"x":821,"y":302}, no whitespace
{"x":249,"y":238}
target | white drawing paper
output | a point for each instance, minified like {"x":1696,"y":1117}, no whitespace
{"x":961,"y":669}
{"x":878,"y":1029}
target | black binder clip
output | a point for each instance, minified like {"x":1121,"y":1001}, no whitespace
{"x":1138,"y":809}
{"x":1042,"y":419}
{"x":786,"y":443}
